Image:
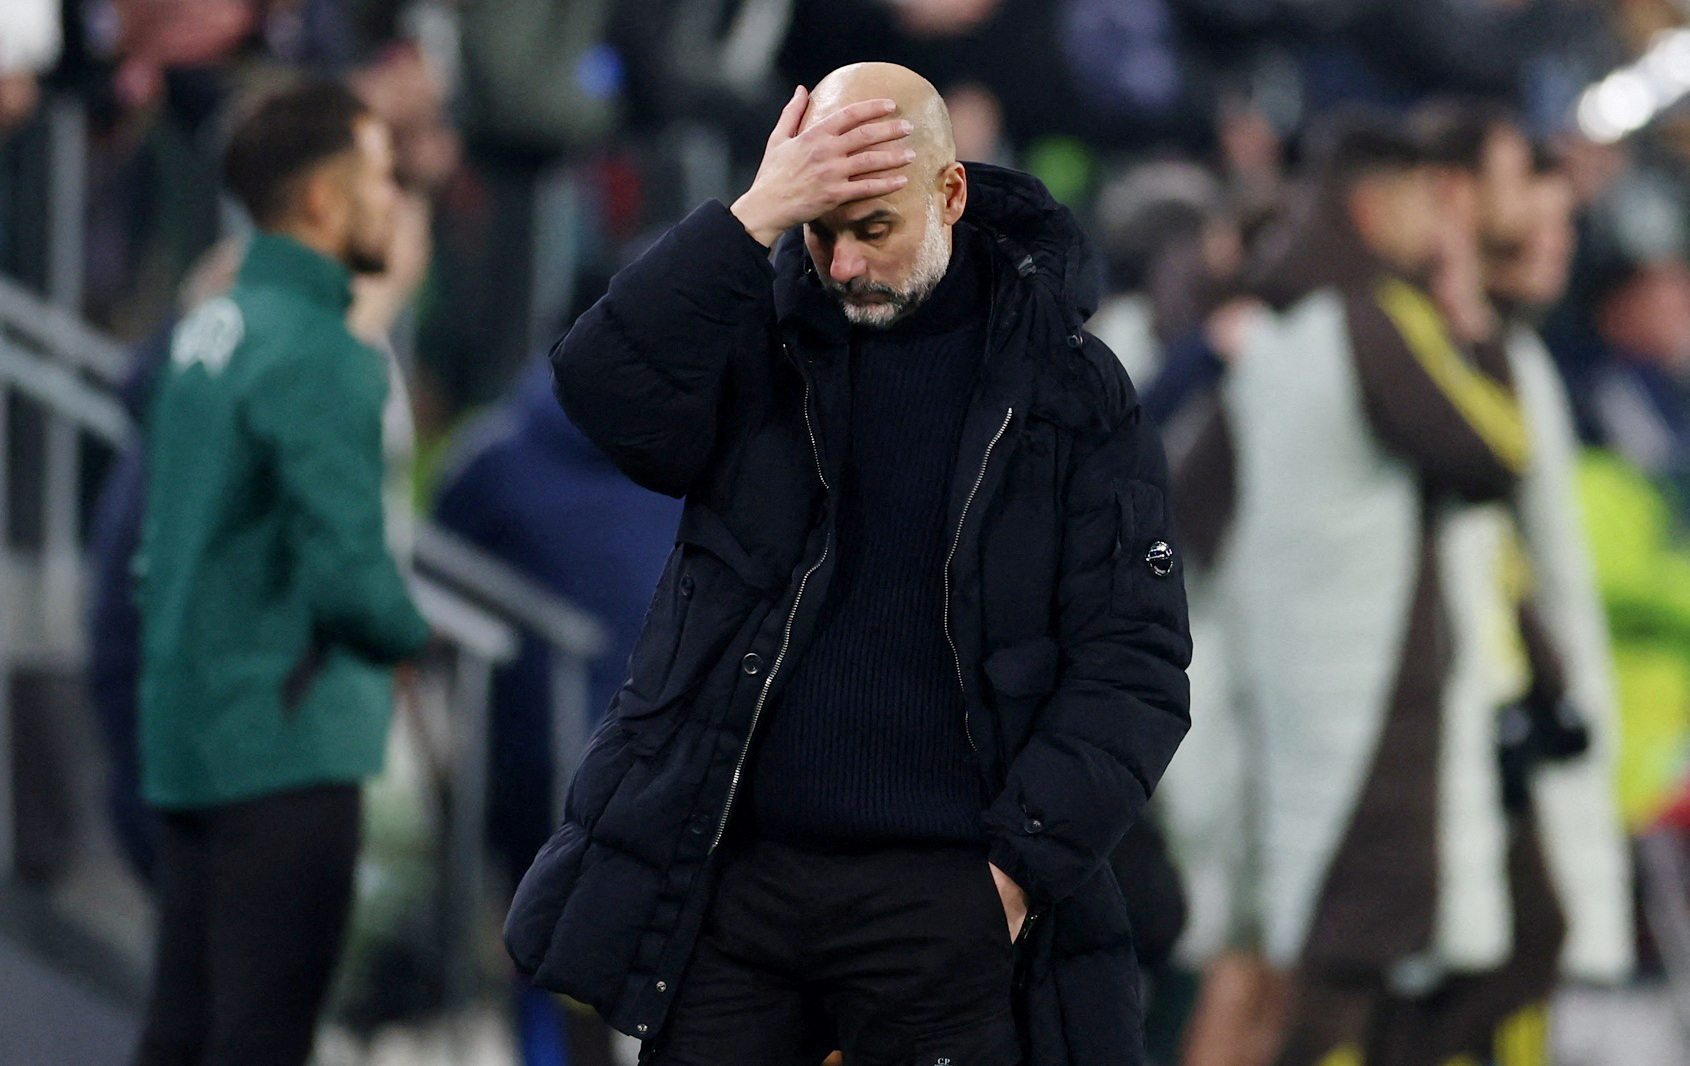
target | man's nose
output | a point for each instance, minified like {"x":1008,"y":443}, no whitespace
{"x":846,"y":264}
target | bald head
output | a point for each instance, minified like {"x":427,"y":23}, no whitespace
{"x":883,"y":256}
{"x":917,"y":100}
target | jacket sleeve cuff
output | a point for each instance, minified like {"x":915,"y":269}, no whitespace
{"x":721,"y":214}
{"x":747,"y":261}
{"x":1003,"y":855}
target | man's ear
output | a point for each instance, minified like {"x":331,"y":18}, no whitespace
{"x":322,"y":198}
{"x":954,"y":183}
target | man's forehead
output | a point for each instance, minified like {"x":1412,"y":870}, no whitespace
{"x":876,"y":210}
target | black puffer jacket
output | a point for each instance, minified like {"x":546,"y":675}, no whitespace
{"x":706,"y":373}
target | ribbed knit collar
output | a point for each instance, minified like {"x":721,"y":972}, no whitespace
{"x":274,"y":259}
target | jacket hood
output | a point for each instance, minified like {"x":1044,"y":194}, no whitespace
{"x":1040,"y":235}
{"x":1038,"y":240}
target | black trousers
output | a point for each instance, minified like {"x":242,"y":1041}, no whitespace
{"x":898,"y":957}
{"x":253,"y":901}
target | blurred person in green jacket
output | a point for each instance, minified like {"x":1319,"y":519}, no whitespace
{"x":272,"y":612}
{"x":1643,"y":564}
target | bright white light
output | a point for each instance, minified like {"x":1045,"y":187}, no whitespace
{"x":1630,"y":98}
{"x":1591,"y":122}
{"x":1627,"y":99}
{"x":1619,"y":104}
{"x":1667,"y":64}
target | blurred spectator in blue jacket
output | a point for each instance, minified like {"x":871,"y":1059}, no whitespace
{"x":1623,"y":341}
{"x":1640,"y":394}
{"x":114,"y":622}
{"x":529,"y":488}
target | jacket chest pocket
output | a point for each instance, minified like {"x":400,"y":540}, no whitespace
{"x":1022,"y":677}
{"x":1020,"y":549}
{"x":1035,"y":466}
{"x":1021,"y":536}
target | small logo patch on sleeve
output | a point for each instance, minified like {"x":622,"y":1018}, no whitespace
{"x":208,"y":336}
{"x":1161,"y":558}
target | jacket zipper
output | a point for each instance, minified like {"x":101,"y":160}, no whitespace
{"x":956,"y":541}
{"x":1026,"y":927}
{"x":786,"y":635}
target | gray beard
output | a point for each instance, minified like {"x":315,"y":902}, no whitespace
{"x":932,"y":259}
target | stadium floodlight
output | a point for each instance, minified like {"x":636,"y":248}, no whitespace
{"x":1633,"y":96}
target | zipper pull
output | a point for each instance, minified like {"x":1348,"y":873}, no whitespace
{"x":1026,"y":927}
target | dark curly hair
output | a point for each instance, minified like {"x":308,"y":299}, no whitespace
{"x":281,"y":137}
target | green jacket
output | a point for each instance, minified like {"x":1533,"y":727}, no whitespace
{"x":264,"y":564}
{"x":1644,"y":570}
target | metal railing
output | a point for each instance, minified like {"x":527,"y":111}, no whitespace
{"x":1663,"y":868}
{"x":72,"y":342}
{"x":482,"y":642}
{"x":66,"y":398}
{"x":479,"y":607}
{"x":574,"y":638}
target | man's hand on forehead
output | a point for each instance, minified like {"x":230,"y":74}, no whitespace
{"x":853,"y":153}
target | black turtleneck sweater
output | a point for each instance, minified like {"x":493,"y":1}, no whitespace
{"x":867,"y":745}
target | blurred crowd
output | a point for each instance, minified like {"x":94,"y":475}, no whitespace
{"x":554,"y":136}
{"x":1408,"y":295}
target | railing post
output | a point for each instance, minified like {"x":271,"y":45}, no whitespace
{"x":557,"y":239}
{"x":471,"y":686}
{"x":61,"y":534}
{"x":67,"y":133}
{"x":705,"y":162}
{"x":8,"y":575}
{"x":570,"y":696}
{"x":1666,"y":873}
